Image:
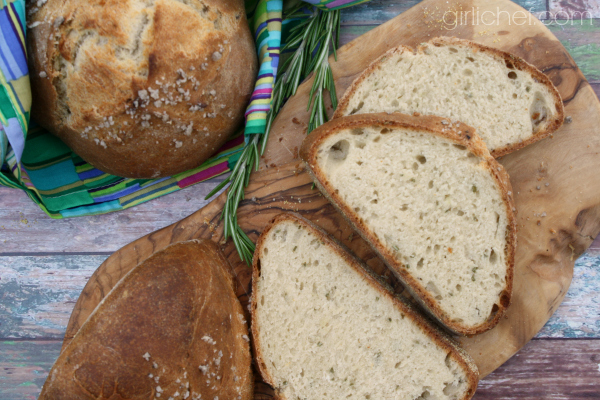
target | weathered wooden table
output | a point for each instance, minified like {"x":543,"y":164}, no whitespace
{"x":44,"y":263}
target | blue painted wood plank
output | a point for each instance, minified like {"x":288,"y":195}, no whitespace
{"x":543,"y":369}
{"x":38,"y":293}
{"x":379,"y":11}
{"x":24,"y":228}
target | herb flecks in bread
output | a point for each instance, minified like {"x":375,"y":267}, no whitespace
{"x":324,"y":327}
{"x":429,"y":198}
{"x":509,"y":101}
{"x":171,"y":328}
{"x":141,"y":89}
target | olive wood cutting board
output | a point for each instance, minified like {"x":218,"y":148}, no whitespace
{"x":555,"y":183}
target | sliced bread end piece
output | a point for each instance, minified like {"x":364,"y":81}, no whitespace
{"x":510,"y":102}
{"x":323,"y":326}
{"x":431,"y":201}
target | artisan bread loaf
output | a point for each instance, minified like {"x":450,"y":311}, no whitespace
{"x":508,"y":101}
{"x":172,"y":328}
{"x":140,"y":89}
{"x":323,"y":327}
{"x":429,"y":198}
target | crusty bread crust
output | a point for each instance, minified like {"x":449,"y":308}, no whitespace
{"x":518,"y":63}
{"x":152,"y":331}
{"x":460,"y":134}
{"x":151,"y":111}
{"x":441,"y":339}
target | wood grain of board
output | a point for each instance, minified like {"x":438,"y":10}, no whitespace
{"x":543,"y":369}
{"x":553,"y":180}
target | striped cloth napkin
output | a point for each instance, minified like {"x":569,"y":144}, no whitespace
{"x":63,"y":184}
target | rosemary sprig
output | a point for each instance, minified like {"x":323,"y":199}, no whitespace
{"x":312,"y":36}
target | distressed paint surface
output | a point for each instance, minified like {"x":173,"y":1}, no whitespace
{"x":565,"y":9}
{"x":543,"y":369}
{"x":38,"y":293}
{"x":24,"y":228}
{"x":379,"y":11}
{"x":547,"y":369}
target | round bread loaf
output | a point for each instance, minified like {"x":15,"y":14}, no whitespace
{"x":172,"y":328}
{"x":141,"y":88}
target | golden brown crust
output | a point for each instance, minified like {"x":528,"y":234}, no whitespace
{"x":441,"y":339}
{"x":141,"y":91}
{"x":174,"y":312}
{"x":459,"y":133}
{"x":510,"y":59}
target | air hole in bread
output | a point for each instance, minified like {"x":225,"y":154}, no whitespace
{"x":493,"y":257}
{"x":358,"y":108}
{"x":357,"y":132}
{"x":360,"y":145}
{"x":468,"y":72}
{"x":376,"y":139}
{"x":512,"y":75}
{"x":452,"y":50}
{"x":420,"y":264}
{"x":451,"y":389}
{"x":339,"y":151}
{"x":515,"y":96}
{"x":266,"y":251}
{"x":421,"y":159}
{"x":539,"y":110}
{"x":430,"y":184}
{"x":509,"y":65}
{"x":395,"y":103}
{"x":404,"y":207}
{"x":384,"y":131}
{"x":460,"y":146}
{"x":415,"y":166}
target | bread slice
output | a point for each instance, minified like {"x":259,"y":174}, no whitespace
{"x":510,"y":102}
{"x":172,"y":328}
{"x":429,"y":198}
{"x":325,"y":327}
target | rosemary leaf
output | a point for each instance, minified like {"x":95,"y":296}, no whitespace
{"x":312,"y":37}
